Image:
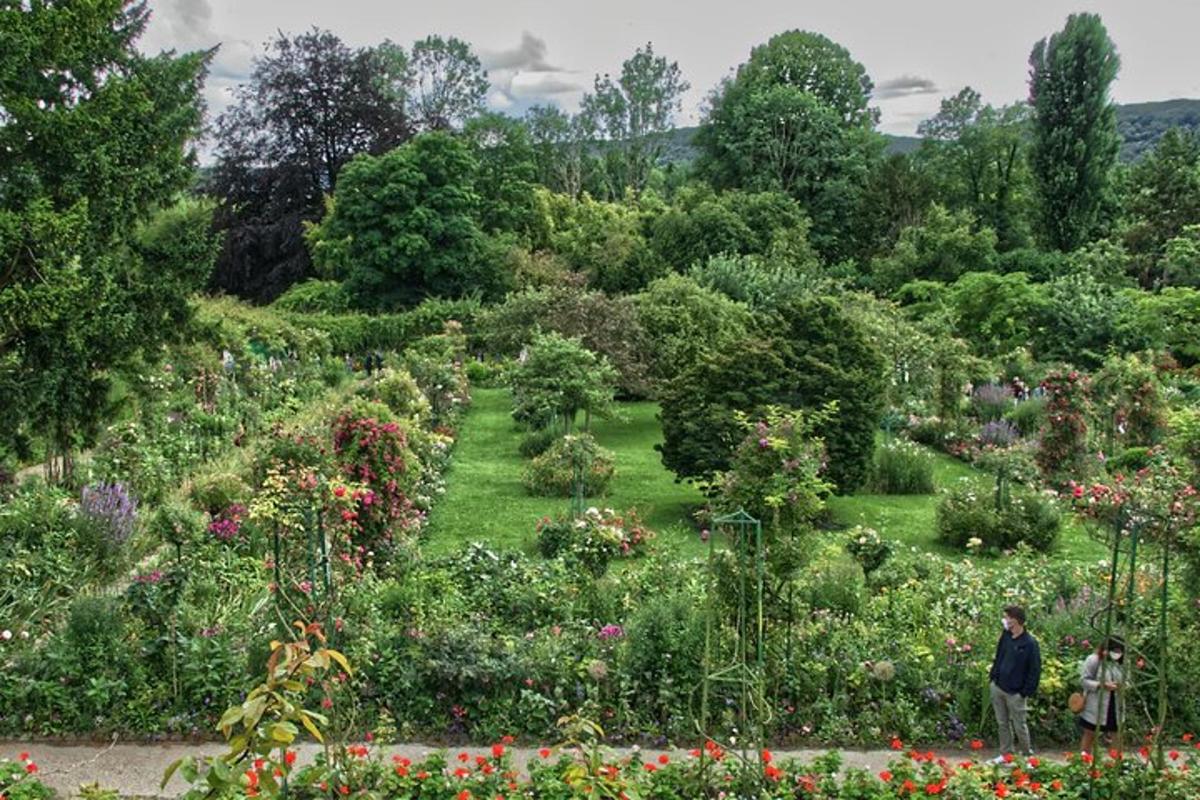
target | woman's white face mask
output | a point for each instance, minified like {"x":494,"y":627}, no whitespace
{"x":1115,"y":656}
{"x":1006,"y":622}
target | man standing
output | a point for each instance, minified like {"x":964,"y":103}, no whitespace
{"x":1015,"y":673}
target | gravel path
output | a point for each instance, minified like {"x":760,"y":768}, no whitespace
{"x":136,"y":770}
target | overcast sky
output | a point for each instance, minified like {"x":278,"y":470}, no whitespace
{"x":549,"y":50}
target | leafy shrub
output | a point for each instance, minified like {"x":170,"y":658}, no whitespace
{"x":902,"y":467}
{"x":593,"y":539}
{"x":536,"y":442}
{"x":373,"y":449}
{"x":1130,"y":460}
{"x":556,"y":379}
{"x":777,"y":470}
{"x":176,"y":524}
{"x":1063,"y":442}
{"x":552,"y":474}
{"x":398,"y":390}
{"x":868,"y":548}
{"x":486,"y":374}
{"x":18,"y":781}
{"x":940,"y":433}
{"x":218,"y":490}
{"x":969,"y":518}
{"x":837,"y":585}
{"x":1027,"y":415}
{"x":990,"y":401}
{"x":315,"y":297}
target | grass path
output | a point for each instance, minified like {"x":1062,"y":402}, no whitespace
{"x":485,"y":501}
{"x":911,"y":519}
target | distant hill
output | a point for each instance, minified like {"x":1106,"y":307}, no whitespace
{"x":1140,"y":126}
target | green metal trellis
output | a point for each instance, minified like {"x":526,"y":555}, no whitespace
{"x":744,"y":671}
{"x":1115,"y":617}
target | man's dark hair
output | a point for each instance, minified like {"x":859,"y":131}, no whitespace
{"x":1015,"y":612}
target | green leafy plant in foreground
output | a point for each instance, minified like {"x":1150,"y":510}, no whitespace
{"x":263,"y":727}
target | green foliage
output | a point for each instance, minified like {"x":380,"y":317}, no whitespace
{"x":1167,"y":320}
{"x":978,"y":156}
{"x":699,"y":406}
{"x":760,"y":284}
{"x":571,"y":457}
{"x":1078,"y":320}
{"x":216,"y":491}
{"x":901,"y":467}
{"x":558,"y":379}
{"x":397,"y":390}
{"x":684,"y":320}
{"x":795,"y":118}
{"x":593,"y":539}
{"x":821,"y":357}
{"x":607,"y":326}
{"x":838,"y":586}
{"x":78,"y":299}
{"x":631,"y":114}
{"x":775,"y":472}
{"x":1075,"y":140}
{"x":943,"y":247}
{"x":538,"y":441}
{"x":996,"y":313}
{"x":1161,"y":199}
{"x":967,"y":518}
{"x":703,"y":224}
{"x":404,"y":225}
{"x":868,"y":548}
{"x":606,"y":242}
{"x":314,"y":297}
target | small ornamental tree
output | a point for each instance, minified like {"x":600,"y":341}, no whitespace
{"x":558,"y":378}
{"x":1064,"y":435}
{"x":776,"y":475}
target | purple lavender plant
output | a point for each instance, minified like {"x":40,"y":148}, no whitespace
{"x":112,"y":508}
{"x":998,"y":433}
{"x":991,"y":400}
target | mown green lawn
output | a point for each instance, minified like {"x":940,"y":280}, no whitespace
{"x":485,"y":502}
{"x":910,"y":519}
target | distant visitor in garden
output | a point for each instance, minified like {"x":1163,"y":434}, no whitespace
{"x":1101,"y":676}
{"x":1015,"y":673}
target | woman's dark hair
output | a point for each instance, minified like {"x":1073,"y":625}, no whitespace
{"x":1112,"y":643}
{"x":1015,"y":612}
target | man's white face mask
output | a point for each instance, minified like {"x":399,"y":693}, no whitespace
{"x":1006,"y":622}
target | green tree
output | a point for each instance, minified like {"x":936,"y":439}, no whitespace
{"x":995,"y":313}
{"x":632,"y":114}
{"x":821,"y":356}
{"x":562,"y":148}
{"x":404,"y":226}
{"x":505,"y":173}
{"x":310,"y":105}
{"x":683,"y":321}
{"x":1162,"y":199}
{"x":943,"y":247}
{"x":94,"y":138}
{"x":795,"y":118}
{"x":702,"y":224}
{"x":606,"y":242}
{"x":1075,"y":140}
{"x":978,"y":154}
{"x":448,"y":83}
{"x":557,"y":379}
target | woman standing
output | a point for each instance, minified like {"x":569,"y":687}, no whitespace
{"x":1101,"y":677}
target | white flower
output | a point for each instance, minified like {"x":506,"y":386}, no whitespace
{"x":6,"y":635}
